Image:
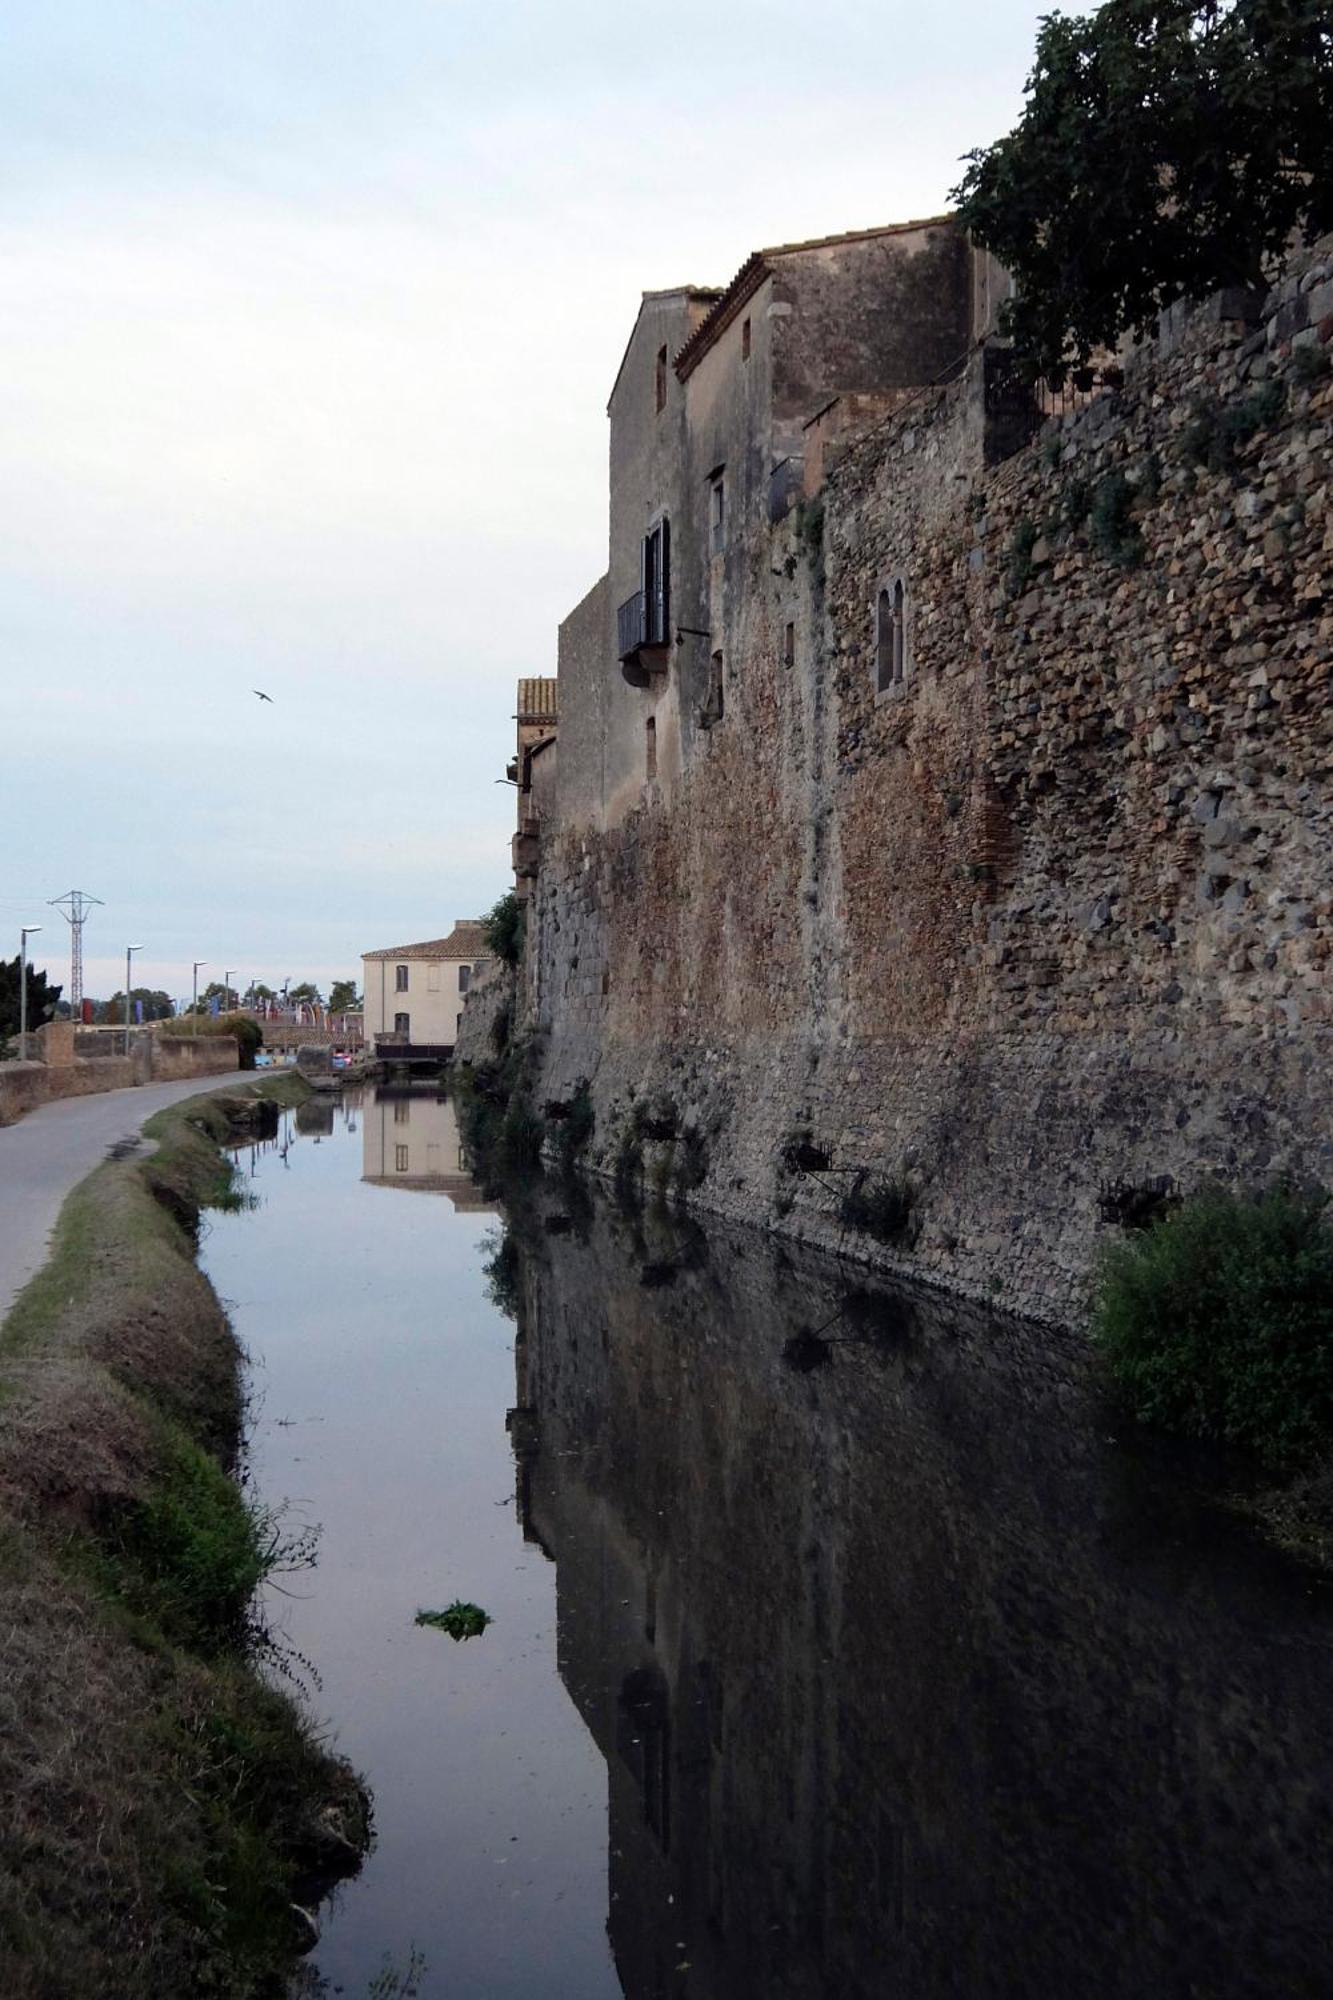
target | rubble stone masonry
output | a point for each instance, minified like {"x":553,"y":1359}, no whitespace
{"x":1052,"y":914}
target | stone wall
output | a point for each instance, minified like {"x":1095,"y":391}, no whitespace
{"x":153,"y":1059}
{"x":1053,"y":914}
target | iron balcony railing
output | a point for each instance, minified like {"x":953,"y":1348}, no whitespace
{"x":641,"y":621}
{"x":630,"y":626}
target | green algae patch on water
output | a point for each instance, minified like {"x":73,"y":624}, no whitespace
{"x":459,"y":1620}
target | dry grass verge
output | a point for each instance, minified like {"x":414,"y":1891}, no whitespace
{"x":161,"y":1807}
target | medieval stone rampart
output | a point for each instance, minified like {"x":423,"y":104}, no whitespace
{"x":1046,"y":918}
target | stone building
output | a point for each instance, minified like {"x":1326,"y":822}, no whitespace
{"x":938,"y":803}
{"x":536,"y":719}
{"x":710,"y":418}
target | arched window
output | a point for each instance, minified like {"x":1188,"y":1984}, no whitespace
{"x":883,"y":642}
{"x":891,"y":636}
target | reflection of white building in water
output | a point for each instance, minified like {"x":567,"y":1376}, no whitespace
{"x":411,"y":1140}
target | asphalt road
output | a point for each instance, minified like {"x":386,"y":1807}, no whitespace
{"x":47,"y":1153}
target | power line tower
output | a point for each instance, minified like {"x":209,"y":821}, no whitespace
{"x":74,"y":909}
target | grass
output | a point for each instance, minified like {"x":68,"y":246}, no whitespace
{"x":163,"y":1803}
{"x":1217,"y":1323}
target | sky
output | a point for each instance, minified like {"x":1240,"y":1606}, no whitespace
{"x":309,"y":312}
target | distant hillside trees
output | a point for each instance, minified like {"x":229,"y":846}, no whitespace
{"x":1168,"y":149}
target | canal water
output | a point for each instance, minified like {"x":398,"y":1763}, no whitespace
{"x":841,"y":1646}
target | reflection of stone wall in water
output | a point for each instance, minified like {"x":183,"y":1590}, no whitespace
{"x":901,"y":1685}
{"x":410,"y":1140}
{"x":315,"y":1117}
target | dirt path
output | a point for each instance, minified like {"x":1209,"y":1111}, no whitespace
{"x":47,"y":1153}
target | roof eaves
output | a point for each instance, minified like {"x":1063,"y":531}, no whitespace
{"x":759,"y":265}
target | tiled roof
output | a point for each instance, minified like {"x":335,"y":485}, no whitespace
{"x":758,"y":266}
{"x":537,"y":699}
{"x":466,"y":940}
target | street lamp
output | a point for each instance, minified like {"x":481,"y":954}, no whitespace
{"x":226,"y":992}
{"x":130,"y":950}
{"x":194,"y":1004}
{"x":28,"y":930}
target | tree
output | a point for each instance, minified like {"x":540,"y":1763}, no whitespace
{"x":1169,"y":148}
{"x":306,"y":991}
{"x":504,"y":929}
{"x":42,"y":997}
{"x":343,"y":996}
{"x":157,"y":1006}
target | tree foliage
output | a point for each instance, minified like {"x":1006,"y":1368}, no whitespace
{"x":1218,"y":1322}
{"x":42,"y":997}
{"x":343,"y":996}
{"x":307,"y":992}
{"x":157,"y":1006}
{"x":504,"y":929}
{"x":1168,"y":149}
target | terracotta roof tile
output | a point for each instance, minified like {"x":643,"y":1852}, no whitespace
{"x":466,"y":940}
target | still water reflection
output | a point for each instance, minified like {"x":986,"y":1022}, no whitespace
{"x":899,"y":1675}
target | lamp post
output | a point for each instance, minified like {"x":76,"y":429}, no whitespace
{"x":194,"y":1004}
{"x":130,"y":950}
{"x":28,"y":930}
{"x":226,"y":993}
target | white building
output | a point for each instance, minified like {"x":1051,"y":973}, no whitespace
{"x":415,"y":993}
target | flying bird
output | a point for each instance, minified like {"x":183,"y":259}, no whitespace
{"x":261,"y":694}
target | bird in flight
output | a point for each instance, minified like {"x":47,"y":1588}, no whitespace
{"x":261,"y":694}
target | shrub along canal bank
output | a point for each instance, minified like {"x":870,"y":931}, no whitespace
{"x":167,"y":1814}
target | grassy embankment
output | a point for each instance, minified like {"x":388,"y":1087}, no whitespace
{"x":163,"y":1808}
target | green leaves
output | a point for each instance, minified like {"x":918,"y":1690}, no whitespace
{"x":1168,"y":149}
{"x":1218,"y":1323}
{"x":459,"y":1620}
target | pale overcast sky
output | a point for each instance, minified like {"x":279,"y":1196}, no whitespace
{"x":309,"y":310}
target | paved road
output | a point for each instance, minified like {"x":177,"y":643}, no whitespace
{"x":49,"y":1152}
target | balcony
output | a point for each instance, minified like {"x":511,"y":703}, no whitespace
{"x":643,"y":638}
{"x":525,"y":848}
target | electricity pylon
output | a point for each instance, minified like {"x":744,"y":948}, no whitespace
{"x":74,"y":909}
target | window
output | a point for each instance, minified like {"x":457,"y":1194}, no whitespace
{"x":657,"y":584}
{"x":650,"y":747}
{"x":400,"y":979}
{"x":891,"y":637}
{"x":400,"y":1159}
{"x":464,"y":978}
{"x":789,"y":645}
{"x":402,"y":1112}
{"x":745,"y":340}
{"x":432,"y":979}
{"x":661,"y":379}
{"x":402,"y":1025}
{"x":717,"y":511}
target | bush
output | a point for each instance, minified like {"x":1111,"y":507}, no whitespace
{"x":1217,"y":1323}
{"x":880,"y":1205}
{"x":504,"y":928}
